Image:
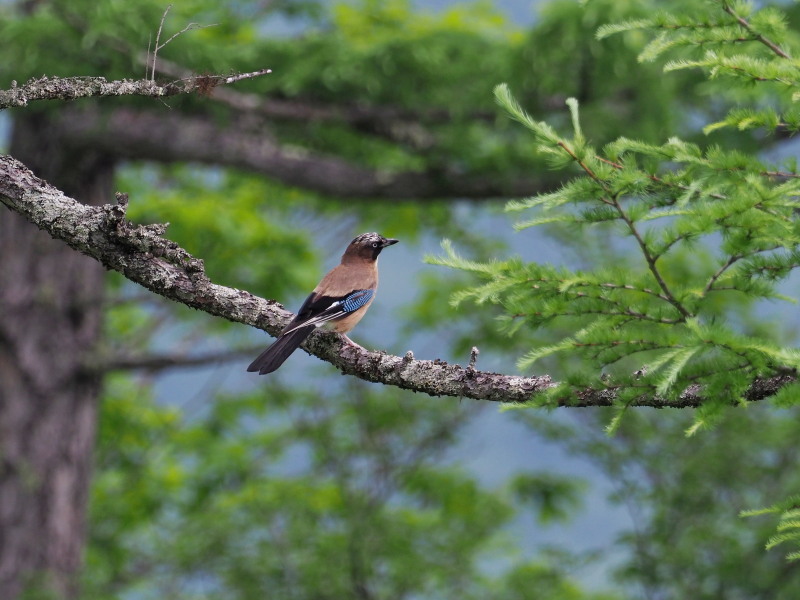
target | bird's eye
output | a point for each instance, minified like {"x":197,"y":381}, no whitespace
{"x":374,"y":244}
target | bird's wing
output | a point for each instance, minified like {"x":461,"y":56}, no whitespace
{"x":318,"y":309}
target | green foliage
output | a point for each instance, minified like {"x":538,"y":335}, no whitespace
{"x":788,"y":527}
{"x":701,"y":236}
{"x":745,"y":50}
{"x":555,"y":498}
{"x":362,"y":55}
{"x":543,"y":581}
{"x":568,"y":60}
{"x":105,"y":38}
{"x":683,"y":495}
{"x":280,"y":494}
{"x":312,"y":494}
{"x":704,"y":24}
{"x":712,"y":229}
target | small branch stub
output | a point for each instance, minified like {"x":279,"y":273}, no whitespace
{"x":473,"y":358}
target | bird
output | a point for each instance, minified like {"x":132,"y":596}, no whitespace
{"x":339,"y":301}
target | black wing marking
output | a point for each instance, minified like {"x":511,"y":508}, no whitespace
{"x":317,"y":310}
{"x":277,"y":353}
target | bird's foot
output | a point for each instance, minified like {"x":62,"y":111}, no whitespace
{"x":352,"y":343}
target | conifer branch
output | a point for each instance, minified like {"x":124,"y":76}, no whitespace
{"x":751,"y":216}
{"x":745,"y":366}
{"x":620,"y":286}
{"x":728,"y":264}
{"x":670,"y":244}
{"x":144,"y":256}
{"x":613,"y":201}
{"x":588,"y":171}
{"x":685,"y":188}
{"x":650,"y":345}
{"x":753,"y":76}
{"x":621,"y":313}
{"x":745,"y":24}
{"x":609,"y":285}
{"x":613,"y":286}
{"x":659,"y":180}
{"x":651,"y":261}
{"x":781,"y":174}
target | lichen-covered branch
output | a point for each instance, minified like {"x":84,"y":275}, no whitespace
{"x":70,"y":88}
{"x":144,"y":256}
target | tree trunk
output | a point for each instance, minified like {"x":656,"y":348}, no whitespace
{"x":50,"y":323}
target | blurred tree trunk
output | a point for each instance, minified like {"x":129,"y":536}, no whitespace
{"x":50,"y":323}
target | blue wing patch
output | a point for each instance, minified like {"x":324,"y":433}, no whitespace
{"x":335,"y":310}
{"x":356,"y":300}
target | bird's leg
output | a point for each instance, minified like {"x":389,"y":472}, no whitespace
{"x":352,"y":343}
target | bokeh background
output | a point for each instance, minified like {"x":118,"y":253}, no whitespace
{"x":209,"y":482}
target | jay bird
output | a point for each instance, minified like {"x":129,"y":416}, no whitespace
{"x":340,"y":300}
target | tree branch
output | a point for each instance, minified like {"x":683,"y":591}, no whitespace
{"x":170,"y":137}
{"x":153,"y":363}
{"x":142,"y":255}
{"x":70,"y":88}
{"x":614,"y":202}
{"x":158,"y":46}
{"x":745,"y":24}
{"x":651,"y":261}
{"x":403,"y":126}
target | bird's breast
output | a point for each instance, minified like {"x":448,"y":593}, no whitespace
{"x":345,"y":324}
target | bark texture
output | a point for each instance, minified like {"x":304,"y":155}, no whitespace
{"x":50,"y":321}
{"x":71,"y":88}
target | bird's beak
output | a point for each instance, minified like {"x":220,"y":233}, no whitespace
{"x":389,"y":242}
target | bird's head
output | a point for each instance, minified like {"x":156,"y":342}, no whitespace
{"x":367,"y":246}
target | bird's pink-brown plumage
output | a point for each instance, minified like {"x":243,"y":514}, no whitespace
{"x":337,"y":301}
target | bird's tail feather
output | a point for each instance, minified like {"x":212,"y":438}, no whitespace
{"x":274,"y":356}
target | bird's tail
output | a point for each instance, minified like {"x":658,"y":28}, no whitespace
{"x":274,"y":356}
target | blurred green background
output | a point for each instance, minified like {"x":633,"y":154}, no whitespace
{"x":213,"y":483}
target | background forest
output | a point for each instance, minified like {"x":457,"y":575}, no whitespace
{"x":132,"y":435}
